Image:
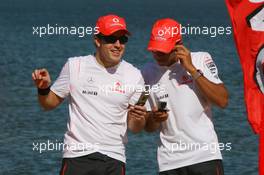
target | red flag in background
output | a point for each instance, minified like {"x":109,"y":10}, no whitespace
{"x":247,"y":18}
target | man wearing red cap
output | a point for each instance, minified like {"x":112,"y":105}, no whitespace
{"x":188,"y":84}
{"x":100,"y":108}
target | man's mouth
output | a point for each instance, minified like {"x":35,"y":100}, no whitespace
{"x":116,"y":52}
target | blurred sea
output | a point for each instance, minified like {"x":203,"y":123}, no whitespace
{"x":23,"y":122}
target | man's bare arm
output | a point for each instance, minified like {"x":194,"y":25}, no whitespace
{"x":42,"y":81}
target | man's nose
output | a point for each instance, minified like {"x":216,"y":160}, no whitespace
{"x":117,"y":43}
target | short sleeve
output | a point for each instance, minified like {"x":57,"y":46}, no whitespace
{"x":61,"y":86}
{"x":209,"y":69}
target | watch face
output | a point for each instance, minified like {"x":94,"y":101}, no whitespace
{"x":197,"y":74}
{"x":200,"y":72}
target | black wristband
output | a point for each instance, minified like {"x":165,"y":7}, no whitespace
{"x":44,"y":91}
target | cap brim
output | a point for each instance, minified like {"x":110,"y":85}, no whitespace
{"x":164,"y":47}
{"x":117,"y":29}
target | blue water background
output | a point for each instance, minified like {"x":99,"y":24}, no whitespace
{"x":23,"y":122}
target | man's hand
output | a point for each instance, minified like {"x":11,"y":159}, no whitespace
{"x":214,"y":93}
{"x":136,"y":118}
{"x":41,"y":78}
{"x":159,"y":116}
{"x":137,"y":112}
{"x":184,"y":55}
{"x":155,"y":118}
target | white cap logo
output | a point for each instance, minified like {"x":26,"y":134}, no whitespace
{"x":115,"y":20}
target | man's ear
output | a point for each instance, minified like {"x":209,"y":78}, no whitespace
{"x":97,"y":41}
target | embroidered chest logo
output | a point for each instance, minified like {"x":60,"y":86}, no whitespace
{"x":118,"y":88}
{"x":89,"y":92}
{"x":164,"y":96}
{"x":89,"y":88}
{"x":90,"y":80}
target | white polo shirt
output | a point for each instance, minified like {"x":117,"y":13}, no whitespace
{"x":188,"y":136}
{"x":98,"y":101}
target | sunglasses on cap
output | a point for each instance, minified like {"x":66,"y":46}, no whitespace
{"x":112,"y":39}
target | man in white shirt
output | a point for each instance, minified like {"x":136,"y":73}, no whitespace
{"x":188,"y":84}
{"x":102,"y":90}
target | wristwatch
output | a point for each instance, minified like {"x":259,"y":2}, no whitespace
{"x":197,"y":74}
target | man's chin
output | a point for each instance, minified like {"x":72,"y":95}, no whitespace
{"x":115,"y":59}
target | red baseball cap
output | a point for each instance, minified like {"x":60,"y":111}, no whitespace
{"x":164,"y":35}
{"x":110,"y":24}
